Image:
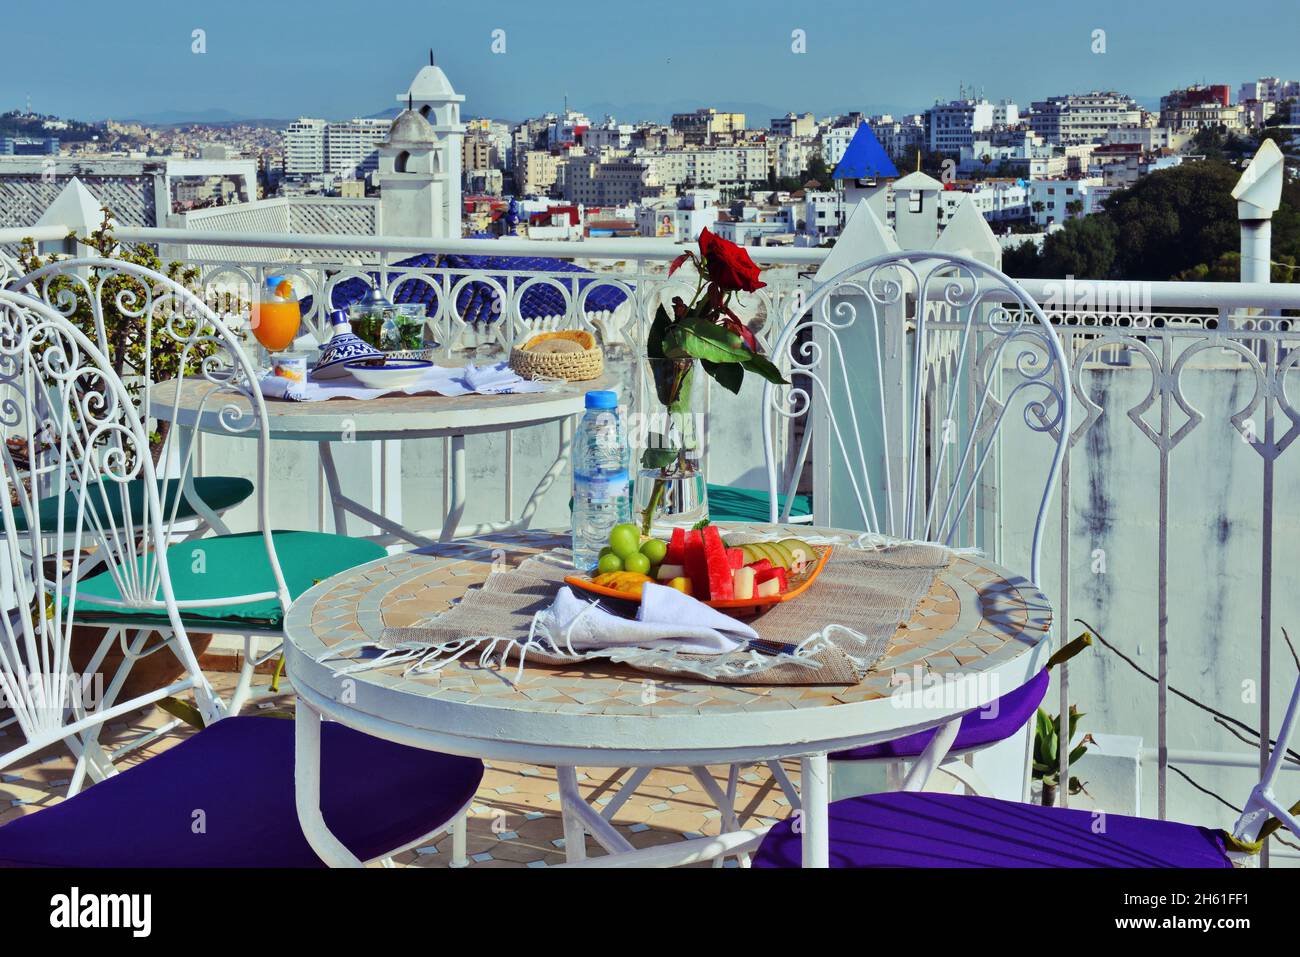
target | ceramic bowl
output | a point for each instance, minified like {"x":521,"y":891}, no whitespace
{"x":384,"y":373}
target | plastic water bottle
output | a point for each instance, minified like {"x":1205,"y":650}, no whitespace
{"x":601,"y":487}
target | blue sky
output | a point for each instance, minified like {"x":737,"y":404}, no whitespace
{"x":337,"y":59}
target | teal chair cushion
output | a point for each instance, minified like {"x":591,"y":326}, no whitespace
{"x":218,"y":492}
{"x":728,"y":504}
{"x":210,"y":568}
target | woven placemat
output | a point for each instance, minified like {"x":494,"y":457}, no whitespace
{"x":834,"y":633}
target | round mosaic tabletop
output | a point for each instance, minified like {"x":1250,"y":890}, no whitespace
{"x":980,"y":632}
{"x":387,"y":417}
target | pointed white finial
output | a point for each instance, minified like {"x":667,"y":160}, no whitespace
{"x":1259,"y":191}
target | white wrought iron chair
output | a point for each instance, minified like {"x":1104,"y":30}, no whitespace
{"x":75,"y":423}
{"x":192,"y":505}
{"x":907,"y":829}
{"x":905,"y":444}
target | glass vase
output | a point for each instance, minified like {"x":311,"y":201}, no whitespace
{"x":668,"y":435}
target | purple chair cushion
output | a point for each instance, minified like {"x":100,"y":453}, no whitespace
{"x":235,"y":778}
{"x":909,"y":829}
{"x":979,"y":727}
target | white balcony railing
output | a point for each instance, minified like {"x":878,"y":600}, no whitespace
{"x":1176,"y":533}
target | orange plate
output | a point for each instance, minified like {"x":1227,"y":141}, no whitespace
{"x":798,"y":585}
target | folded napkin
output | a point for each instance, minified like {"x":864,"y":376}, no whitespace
{"x":493,"y":379}
{"x":666,"y":619}
{"x":439,"y":380}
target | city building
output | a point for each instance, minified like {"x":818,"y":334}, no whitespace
{"x":1083,"y":117}
{"x":952,"y":125}
{"x":719,"y":166}
{"x":681,"y":220}
{"x":536,"y":172}
{"x":1053,"y":201}
{"x":347,"y":149}
{"x":835,"y":141}
{"x":609,"y":135}
{"x":29,"y":146}
{"x":304,"y":147}
{"x":794,"y":124}
{"x":477,"y":152}
{"x":352,"y":147}
{"x":607,"y":179}
{"x":706,"y":124}
{"x":903,"y":137}
{"x":1149,"y":138}
{"x":1200,"y":107}
{"x":566,"y":131}
{"x":1269,"y":89}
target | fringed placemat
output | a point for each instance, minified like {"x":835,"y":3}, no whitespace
{"x":832,"y":634}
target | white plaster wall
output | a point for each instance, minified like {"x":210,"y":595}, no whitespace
{"x":1214,"y":572}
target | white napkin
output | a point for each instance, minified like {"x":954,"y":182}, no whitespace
{"x":493,"y":379}
{"x":440,"y":380}
{"x":667,"y":619}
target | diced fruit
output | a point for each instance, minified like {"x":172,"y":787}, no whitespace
{"x":637,"y":562}
{"x":625,"y":539}
{"x":682,"y":584}
{"x":719,"y":568}
{"x":628,"y":582}
{"x":654,"y":550}
{"x":667,"y":571}
{"x":735,"y":558}
{"x":697,"y":569}
{"x":676,"y":554}
{"x":780,"y":575}
{"x":742,"y":583}
{"x":767,"y":589}
{"x":762,"y":565}
{"x":609,"y":563}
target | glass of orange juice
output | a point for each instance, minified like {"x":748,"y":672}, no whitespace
{"x":276,"y":316}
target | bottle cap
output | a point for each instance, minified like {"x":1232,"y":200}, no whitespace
{"x":602,"y":399}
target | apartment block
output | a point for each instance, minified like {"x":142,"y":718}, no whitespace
{"x":1083,"y":117}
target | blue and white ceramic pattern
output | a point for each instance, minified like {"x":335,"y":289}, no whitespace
{"x":344,"y":346}
{"x":392,"y":374}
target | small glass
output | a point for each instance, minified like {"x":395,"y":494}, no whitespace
{"x":406,"y":330}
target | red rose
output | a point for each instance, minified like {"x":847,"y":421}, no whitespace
{"x":728,"y":265}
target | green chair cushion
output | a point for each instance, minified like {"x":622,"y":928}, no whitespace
{"x":209,"y":568}
{"x":218,"y":492}
{"x":728,"y":504}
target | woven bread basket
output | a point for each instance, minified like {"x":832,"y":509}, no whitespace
{"x":571,"y":355}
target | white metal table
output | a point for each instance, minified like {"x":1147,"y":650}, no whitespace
{"x":981,"y":632}
{"x":391,"y":418}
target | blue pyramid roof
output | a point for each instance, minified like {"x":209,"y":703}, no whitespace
{"x":865,"y":158}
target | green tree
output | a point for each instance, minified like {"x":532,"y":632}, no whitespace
{"x":1174,"y":219}
{"x":1085,"y":247}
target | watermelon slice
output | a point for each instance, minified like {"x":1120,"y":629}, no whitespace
{"x":735,"y":558}
{"x":762,"y":565}
{"x":676,"y":554}
{"x":777,"y":573}
{"x":697,"y":569}
{"x":717,"y":563}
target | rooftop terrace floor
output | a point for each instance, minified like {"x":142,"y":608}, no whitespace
{"x":514,"y":821}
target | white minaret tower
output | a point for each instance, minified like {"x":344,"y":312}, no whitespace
{"x":419,"y":166}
